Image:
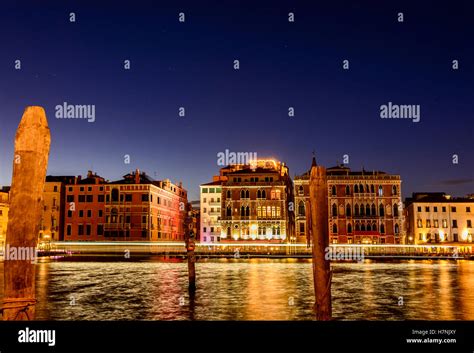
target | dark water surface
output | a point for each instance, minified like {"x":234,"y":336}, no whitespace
{"x":252,"y":289}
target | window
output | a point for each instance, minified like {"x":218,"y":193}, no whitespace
{"x":395,"y":210}
{"x":70,"y":188}
{"x":419,"y":208}
{"x":445,"y":223}
{"x":88,"y":229}
{"x":68,"y":229}
{"x":356,"y":188}
{"x":145,"y":197}
{"x":81,"y":188}
{"x":349,"y":228}
{"x":428,"y":223}
{"x":367,"y":210}
{"x":419,"y":223}
{"x":381,"y":210}
{"x":128,"y":197}
{"x":382,"y":228}
{"x":70,"y":198}
{"x":356,"y":210}
{"x":334,"y":210}
{"x":436,"y":223}
{"x":397,"y":229}
{"x":435,"y":209}
{"x":455,"y":223}
{"x":228,"y":212}
{"x":357,"y":227}
{"x":427,"y":209}
{"x":81,"y":213}
{"x":69,"y":213}
{"x":100,"y":198}
{"x":242,"y":211}
{"x":115,"y":195}
{"x":372,"y":189}
{"x":300,"y":190}
{"x":80,"y":230}
{"x":204,"y":190}
{"x":469,"y":224}
{"x":443,"y":209}
{"x":100,"y":229}
{"x":348,"y":190}
{"x":301,"y":210}
{"x":369,"y":227}
{"x":302,"y":227}
{"x":229,"y":194}
{"x":212,"y":190}
{"x":380,"y":190}
{"x":89,"y":213}
{"x":348,"y":210}
{"x":333,"y":190}
{"x":373,"y":210}
{"x":394,"y":190}
{"x":468,"y":209}
{"x":82,"y":198}
{"x":334,"y":228}
{"x":453,"y":209}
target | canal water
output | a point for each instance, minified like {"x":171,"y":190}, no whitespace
{"x":104,"y":288}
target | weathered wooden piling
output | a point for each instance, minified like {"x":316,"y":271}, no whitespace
{"x":318,"y":225}
{"x":30,"y":163}
{"x":190,"y":246}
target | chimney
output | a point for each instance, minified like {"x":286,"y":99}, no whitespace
{"x":89,"y":174}
{"x":137,"y":176}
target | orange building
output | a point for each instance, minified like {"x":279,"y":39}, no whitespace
{"x":84,"y":209}
{"x":140,"y":208}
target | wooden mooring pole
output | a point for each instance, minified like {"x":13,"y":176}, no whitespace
{"x":30,"y":163}
{"x":190,"y":246}
{"x":318,"y":226}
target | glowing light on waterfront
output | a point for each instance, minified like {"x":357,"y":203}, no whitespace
{"x":441,"y":235}
{"x":464,"y":234}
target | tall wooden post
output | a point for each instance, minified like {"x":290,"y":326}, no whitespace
{"x":318,"y":225}
{"x":190,"y":246}
{"x":30,"y":163}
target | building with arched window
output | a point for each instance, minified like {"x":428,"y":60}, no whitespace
{"x":360,"y":206}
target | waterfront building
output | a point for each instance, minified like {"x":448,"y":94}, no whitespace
{"x":210,"y":207}
{"x":257,"y":202}
{"x":4,"y":207}
{"x":438,"y":218}
{"x":52,"y":218}
{"x":365,"y":207}
{"x":193,"y":219}
{"x":84,"y":209}
{"x":140,"y":208}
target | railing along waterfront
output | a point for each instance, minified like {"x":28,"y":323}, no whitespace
{"x":244,"y":249}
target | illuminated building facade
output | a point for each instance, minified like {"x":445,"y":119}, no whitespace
{"x":4,"y":207}
{"x":256,"y":202}
{"x":84,"y":209}
{"x":365,"y":207}
{"x":436,"y":218}
{"x":210,"y":211}
{"x":52,"y":218}
{"x":140,"y":208}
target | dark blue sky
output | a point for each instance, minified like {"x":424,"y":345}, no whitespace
{"x":283,"y":64}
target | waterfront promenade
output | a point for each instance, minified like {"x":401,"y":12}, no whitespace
{"x":247,"y":250}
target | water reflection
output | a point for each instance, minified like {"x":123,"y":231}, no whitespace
{"x":255,"y":289}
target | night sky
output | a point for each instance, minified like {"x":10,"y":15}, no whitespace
{"x":282,"y":64}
